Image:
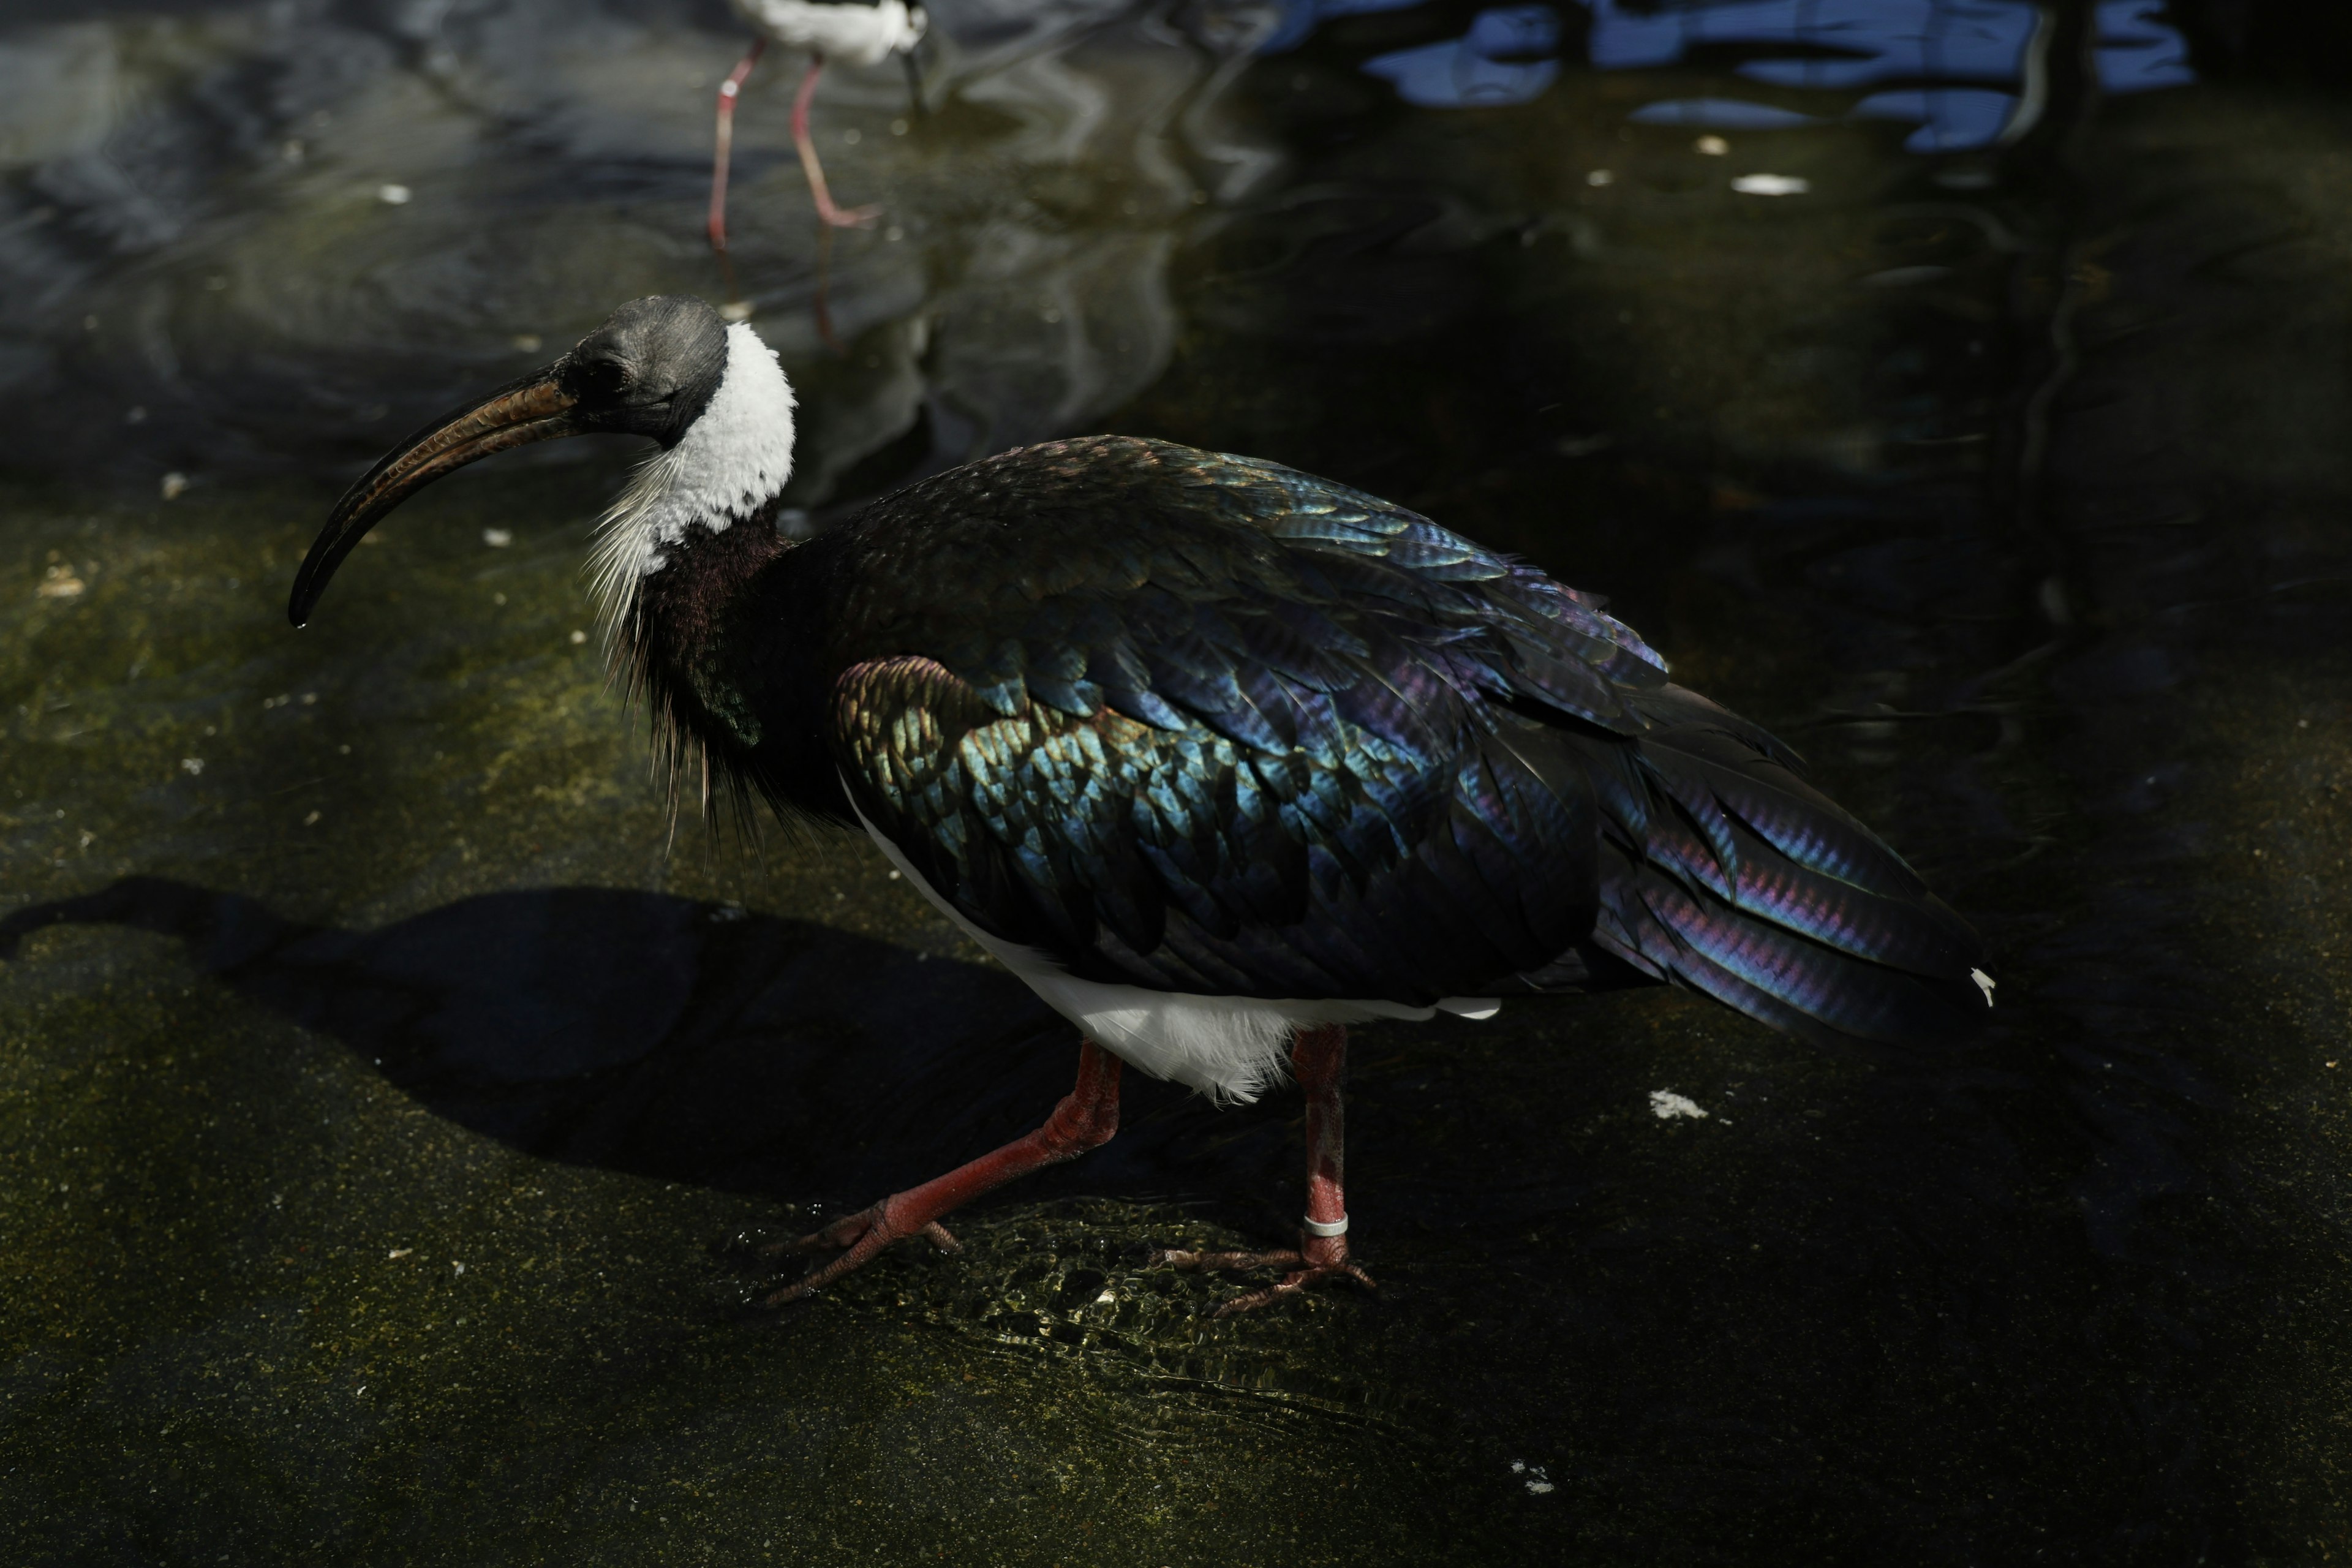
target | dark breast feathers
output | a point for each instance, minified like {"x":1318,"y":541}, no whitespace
{"x":1193,"y":722}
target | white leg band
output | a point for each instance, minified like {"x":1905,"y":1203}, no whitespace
{"x":1317,"y":1227}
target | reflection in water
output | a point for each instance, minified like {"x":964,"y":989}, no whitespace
{"x":1501,"y":61}
{"x":202,"y":225}
{"x":1839,"y":47}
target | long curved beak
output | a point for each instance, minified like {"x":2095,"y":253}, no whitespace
{"x":535,"y":408}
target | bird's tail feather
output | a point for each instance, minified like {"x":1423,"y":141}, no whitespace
{"x":1723,"y":870}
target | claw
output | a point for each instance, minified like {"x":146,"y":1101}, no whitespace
{"x":857,"y":1237}
{"x":849,"y":217}
{"x":1306,"y":1270}
{"x":1085,"y":1118}
{"x":1192,"y":1262}
{"x":1292,"y":1283}
{"x":843,"y":1232}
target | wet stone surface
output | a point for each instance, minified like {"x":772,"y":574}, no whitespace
{"x":393,"y":1098}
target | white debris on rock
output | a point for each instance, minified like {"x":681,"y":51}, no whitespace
{"x":1985,"y":984}
{"x":1771,"y":184}
{"x":1666,"y":1105}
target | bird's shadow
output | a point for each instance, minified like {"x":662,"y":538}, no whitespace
{"x":670,"y":1038}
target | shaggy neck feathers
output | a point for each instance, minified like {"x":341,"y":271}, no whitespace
{"x":728,"y":468}
{"x":672,"y":562}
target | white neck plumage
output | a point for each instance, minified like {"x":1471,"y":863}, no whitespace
{"x":732,"y":461}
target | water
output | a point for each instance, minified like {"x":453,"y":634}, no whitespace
{"x":1997,"y":462}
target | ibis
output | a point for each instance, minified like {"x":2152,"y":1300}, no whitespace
{"x":860,"y":32}
{"x":1218,"y":756}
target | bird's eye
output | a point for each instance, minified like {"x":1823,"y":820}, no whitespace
{"x":603,"y":378}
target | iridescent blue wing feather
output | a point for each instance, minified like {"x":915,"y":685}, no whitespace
{"x":1182,"y":859}
{"x":1199,"y":723}
{"x":1724,"y":870}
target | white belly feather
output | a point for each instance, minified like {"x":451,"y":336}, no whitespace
{"x":1228,"y":1048}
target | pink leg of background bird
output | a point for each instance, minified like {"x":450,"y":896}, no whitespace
{"x":839,"y":218}
{"x":1085,"y":1118}
{"x":1318,"y":1057}
{"x":728,"y":92}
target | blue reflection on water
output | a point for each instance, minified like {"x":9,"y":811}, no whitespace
{"x":1491,"y":65}
{"x":1969,"y":39}
{"x":1958,"y":67}
{"x":2138,"y":50}
{"x":1951,"y":118}
{"x":1720,"y":114}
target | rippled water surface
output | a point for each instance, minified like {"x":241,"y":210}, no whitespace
{"x":390,"y":1100}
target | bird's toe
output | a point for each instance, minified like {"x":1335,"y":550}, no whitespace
{"x":1292,"y":1284}
{"x":1306,"y":1270}
{"x":846,"y":1231}
{"x":857,"y":1238}
{"x":1193,"y":1262}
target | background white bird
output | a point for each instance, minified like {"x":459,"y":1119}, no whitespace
{"x":853,"y":30}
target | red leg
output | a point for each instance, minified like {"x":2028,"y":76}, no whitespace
{"x":728,"y":92}
{"x":1085,"y":1118}
{"x":838,"y":217}
{"x":1319,"y":1057}
{"x":820,"y":303}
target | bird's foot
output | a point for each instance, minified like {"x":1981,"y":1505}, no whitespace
{"x":857,"y":1238}
{"x":1315,"y":1260}
{"x":847,"y":218}
{"x":1085,"y":1118}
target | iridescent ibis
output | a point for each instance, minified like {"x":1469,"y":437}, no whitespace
{"x":1218,"y":756}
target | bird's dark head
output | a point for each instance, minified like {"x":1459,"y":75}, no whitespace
{"x":652,"y":369}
